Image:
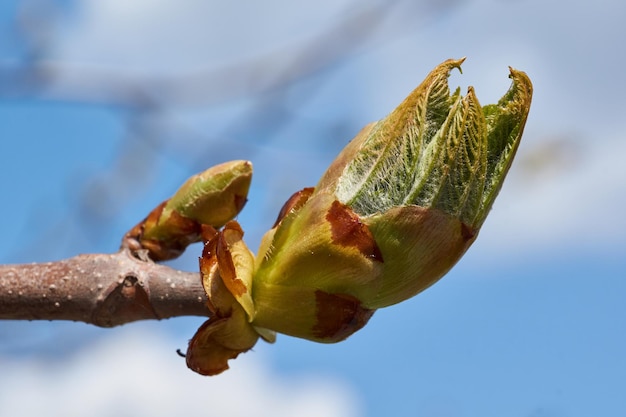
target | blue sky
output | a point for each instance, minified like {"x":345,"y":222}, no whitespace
{"x":529,"y":323}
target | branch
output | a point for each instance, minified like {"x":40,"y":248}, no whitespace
{"x":100,"y":289}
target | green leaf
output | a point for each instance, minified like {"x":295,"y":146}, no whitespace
{"x":383,"y":172}
{"x":437,"y":150}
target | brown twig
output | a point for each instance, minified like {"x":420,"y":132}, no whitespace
{"x":101,"y":289}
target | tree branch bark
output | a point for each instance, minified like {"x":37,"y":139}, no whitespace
{"x":101,"y":289}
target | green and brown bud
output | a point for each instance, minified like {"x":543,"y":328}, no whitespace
{"x":211,"y":198}
{"x":393,"y":213}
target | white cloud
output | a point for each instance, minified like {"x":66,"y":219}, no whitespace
{"x":134,"y":372}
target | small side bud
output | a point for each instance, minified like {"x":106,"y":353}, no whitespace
{"x":211,"y":198}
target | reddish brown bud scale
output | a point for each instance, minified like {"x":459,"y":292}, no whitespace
{"x":338,"y":316}
{"x":226,"y":264}
{"x":294,"y":203}
{"x":348,"y":230}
